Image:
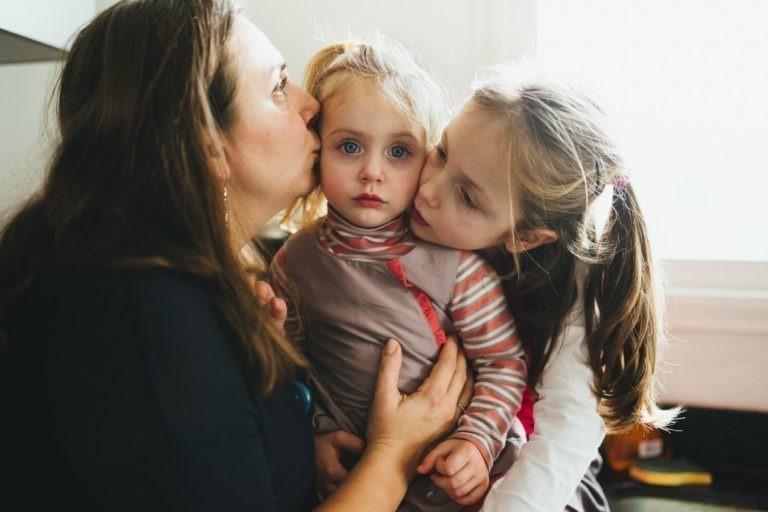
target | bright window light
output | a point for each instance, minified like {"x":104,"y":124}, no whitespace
{"x":687,"y":83}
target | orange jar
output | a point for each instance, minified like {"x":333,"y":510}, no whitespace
{"x":637,"y":443}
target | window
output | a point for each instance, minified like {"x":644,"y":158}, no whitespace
{"x":687,"y":82}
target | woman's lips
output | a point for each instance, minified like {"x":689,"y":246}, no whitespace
{"x":417,"y":218}
{"x":369,"y":200}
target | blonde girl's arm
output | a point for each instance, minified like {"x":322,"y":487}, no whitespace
{"x":400,"y":428}
{"x":487,"y":329}
{"x":567,"y":433}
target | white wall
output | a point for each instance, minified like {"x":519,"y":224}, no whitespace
{"x":453,"y":37}
{"x":25,"y":90}
{"x":717,"y":315}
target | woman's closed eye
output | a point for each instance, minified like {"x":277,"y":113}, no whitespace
{"x":279,"y":89}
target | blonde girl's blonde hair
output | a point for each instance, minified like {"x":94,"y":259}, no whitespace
{"x":564,"y":157}
{"x":396,"y":75}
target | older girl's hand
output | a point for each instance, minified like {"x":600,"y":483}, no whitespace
{"x":404,"y":426}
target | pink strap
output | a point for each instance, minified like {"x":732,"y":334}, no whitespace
{"x":424,"y":303}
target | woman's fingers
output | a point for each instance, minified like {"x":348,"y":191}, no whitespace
{"x":442,"y":374}
{"x":389,"y":373}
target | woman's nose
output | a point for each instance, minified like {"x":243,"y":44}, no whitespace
{"x":308,"y":106}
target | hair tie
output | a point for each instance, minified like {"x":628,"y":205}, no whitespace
{"x":621,"y":181}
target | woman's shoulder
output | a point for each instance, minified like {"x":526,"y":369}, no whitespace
{"x":76,"y":295}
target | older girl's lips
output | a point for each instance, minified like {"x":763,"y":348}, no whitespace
{"x":417,"y":218}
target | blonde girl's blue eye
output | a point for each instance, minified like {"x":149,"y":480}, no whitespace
{"x":349,"y":147}
{"x":398,"y":151}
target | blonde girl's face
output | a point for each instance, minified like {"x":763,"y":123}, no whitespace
{"x":372,"y":154}
{"x":463,"y":199}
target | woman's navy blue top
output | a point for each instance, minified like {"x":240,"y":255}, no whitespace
{"x":123,"y":390}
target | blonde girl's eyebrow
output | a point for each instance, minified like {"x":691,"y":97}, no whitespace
{"x":362,"y":135}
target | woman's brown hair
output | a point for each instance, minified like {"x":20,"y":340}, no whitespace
{"x":564,"y":158}
{"x":145,"y":94}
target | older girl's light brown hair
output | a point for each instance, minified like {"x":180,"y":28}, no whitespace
{"x":564,"y":157}
{"x":146,"y":91}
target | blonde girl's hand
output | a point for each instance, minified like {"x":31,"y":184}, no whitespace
{"x":459,"y":469}
{"x":403,"y":426}
{"x":335,"y":453}
{"x":276,"y":306}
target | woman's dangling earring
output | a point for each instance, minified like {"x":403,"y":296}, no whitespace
{"x":226,"y":205}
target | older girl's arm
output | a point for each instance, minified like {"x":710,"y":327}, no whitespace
{"x":567,"y":433}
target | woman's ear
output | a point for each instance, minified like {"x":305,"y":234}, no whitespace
{"x":530,"y":239}
{"x":216,"y":154}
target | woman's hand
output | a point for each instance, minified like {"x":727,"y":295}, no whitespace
{"x":400,"y":429}
{"x":404,"y":426}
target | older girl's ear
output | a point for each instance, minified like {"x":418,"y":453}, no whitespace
{"x":530,"y":239}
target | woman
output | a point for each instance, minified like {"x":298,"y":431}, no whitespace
{"x":140,"y":371}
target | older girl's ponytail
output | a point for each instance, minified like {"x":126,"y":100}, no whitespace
{"x":622,"y":307}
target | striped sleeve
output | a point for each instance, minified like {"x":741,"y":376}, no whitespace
{"x":486,"y":327}
{"x":280,"y":282}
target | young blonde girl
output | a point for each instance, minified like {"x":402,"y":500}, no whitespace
{"x":523,"y":171}
{"x":359,"y":277}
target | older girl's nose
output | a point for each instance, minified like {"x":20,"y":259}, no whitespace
{"x":428,"y":188}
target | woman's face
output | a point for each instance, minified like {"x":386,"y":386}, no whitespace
{"x":465,"y":193}
{"x":269,"y":147}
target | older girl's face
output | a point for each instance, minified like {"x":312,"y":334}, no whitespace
{"x":464,"y":194}
{"x":269,"y":147}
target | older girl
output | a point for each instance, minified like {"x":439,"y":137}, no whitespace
{"x":523,"y":171}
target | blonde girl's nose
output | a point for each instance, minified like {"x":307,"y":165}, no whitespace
{"x":371,"y":171}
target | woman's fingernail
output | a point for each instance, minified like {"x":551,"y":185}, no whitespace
{"x":390,"y":347}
